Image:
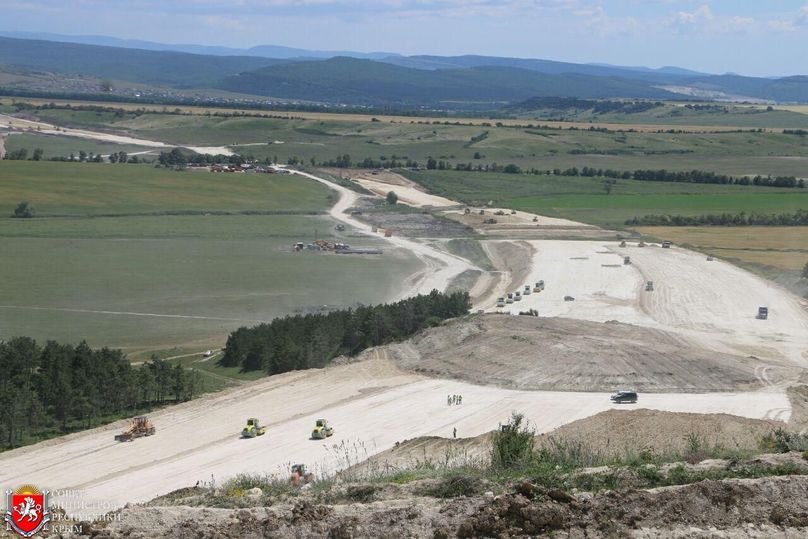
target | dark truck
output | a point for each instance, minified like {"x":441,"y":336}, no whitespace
{"x":763,"y":313}
{"x":624,"y":397}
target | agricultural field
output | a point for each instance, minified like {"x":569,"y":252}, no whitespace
{"x":584,"y":199}
{"x":783,"y":248}
{"x":62,"y":146}
{"x":109,"y":260}
{"x":326,"y":136}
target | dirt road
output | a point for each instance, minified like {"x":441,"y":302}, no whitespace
{"x":365,"y":402}
{"x":441,"y":267}
{"x":714,"y":303}
{"x":17,"y":124}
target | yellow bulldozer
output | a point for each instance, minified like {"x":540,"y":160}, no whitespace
{"x":253,"y":428}
{"x":322,"y":430}
{"x":141,"y":426}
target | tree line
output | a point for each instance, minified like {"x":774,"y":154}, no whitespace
{"x":313,"y":340}
{"x":798,"y":218}
{"x":59,"y":388}
{"x":83,"y":157}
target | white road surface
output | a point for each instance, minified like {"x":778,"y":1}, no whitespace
{"x":371,"y":405}
{"x":712,"y":302}
{"x":9,"y":122}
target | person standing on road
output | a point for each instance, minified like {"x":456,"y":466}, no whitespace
{"x":454,"y":432}
{"x":449,"y":400}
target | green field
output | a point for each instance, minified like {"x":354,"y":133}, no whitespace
{"x":324,"y":139}
{"x":149,"y":282}
{"x":82,"y":189}
{"x":584,"y":199}
{"x":62,"y":146}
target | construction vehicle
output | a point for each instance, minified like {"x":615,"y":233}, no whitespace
{"x":535,"y":219}
{"x":763,"y":313}
{"x":467,"y":211}
{"x":513,"y":212}
{"x":300,"y":476}
{"x":509,"y":299}
{"x":526,"y":291}
{"x":569,"y":298}
{"x":388,"y":233}
{"x":322,"y":430}
{"x":490,"y":221}
{"x":626,"y":260}
{"x":667,"y":244}
{"x":649,"y":286}
{"x":623,"y":243}
{"x":539,"y":286}
{"x":641,"y":244}
{"x":500,"y":302}
{"x":339,"y":228}
{"x":499,"y":212}
{"x":253,"y":428}
{"x":140,"y":426}
{"x":517,"y":296}
{"x":710,"y":259}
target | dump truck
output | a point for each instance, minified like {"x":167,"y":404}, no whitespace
{"x":140,"y":426}
{"x":300,"y":476}
{"x":626,"y":260}
{"x":500,"y":302}
{"x":649,"y":286}
{"x":517,"y":296}
{"x":526,"y":291}
{"x":253,"y":428}
{"x":763,"y":313}
{"x":322,"y":430}
{"x":499,"y":212}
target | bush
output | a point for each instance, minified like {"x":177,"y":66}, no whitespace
{"x":512,"y":444}
{"x":392,"y":198}
{"x":24,"y":210}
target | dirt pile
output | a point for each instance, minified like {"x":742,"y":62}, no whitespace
{"x":626,"y":432}
{"x":561,"y":354}
{"x":769,"y":507}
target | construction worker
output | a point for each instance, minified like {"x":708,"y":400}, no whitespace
{"x":454,"y":432}
{"x":460,"y":399}
{"x":449,"y":400}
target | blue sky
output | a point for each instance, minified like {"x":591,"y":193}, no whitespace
{"x":754,"y":37}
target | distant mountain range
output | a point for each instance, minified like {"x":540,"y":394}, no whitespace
{"x":380,"y":79}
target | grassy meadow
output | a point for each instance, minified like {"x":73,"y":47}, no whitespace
{"x":104,"y":262}
{"x":584,"y":199}
{"x":325,"y":136}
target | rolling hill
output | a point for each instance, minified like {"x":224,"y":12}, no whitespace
{"x":470,"y":82}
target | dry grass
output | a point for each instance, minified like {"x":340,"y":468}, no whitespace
{"x":781,"y":247}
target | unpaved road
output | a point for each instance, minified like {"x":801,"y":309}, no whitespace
{"x":9,"y":122}
{"x":371,"y":404}
{"x":441,"y":267}
{"x":713,"y":303}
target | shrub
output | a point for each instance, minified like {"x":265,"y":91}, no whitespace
{"x":24,"y":210}
{"x":512,"y":444}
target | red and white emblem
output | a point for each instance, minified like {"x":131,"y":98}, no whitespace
{"x":27,"y":510}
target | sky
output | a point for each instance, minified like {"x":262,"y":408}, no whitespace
{"x":751,"y":37}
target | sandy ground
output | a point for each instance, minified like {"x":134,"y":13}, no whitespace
{"x":9,"y":122}
{"x":714,"y":303}
{"x":407,"y":194}
{"x":200,"y":440}
{"x":562,"y":354}
{"x":441,"y":267}
{"x":2,"y":145}
{"x":511,"y":221}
